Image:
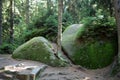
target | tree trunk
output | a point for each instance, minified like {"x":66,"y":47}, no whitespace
{"x":60,"y":11}
{"x":11,"y":22}
{"x":0,"y":22}
{"x":117,"y":16}
{"x":27,"y":12}
{"x":48,"y":5}
{"x":111,"y":8}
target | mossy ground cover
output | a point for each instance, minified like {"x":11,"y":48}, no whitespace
{"x":94,"y":55}
{"x":89,"y":49}
{"x":37,"y":49}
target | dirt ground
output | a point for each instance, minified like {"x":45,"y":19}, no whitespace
{"x":62,"y":73}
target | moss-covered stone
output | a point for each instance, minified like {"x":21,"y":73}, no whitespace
{"x":87,"y":53}
{"x":38,"y":49}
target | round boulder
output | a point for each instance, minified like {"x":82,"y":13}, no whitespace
{"x":94,"y":49}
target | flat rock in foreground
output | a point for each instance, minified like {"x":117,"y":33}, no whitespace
{"x":22,"y":72}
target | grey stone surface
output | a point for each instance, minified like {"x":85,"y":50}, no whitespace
{"x":30,"y":74}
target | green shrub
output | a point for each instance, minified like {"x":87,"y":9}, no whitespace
{"x":97,"y":28}
{"x":7,"y":48}
{"x":45,"y":32}
{"x":45,"y":26}
{"x":67,"y":19}
{"x":99,"y":20}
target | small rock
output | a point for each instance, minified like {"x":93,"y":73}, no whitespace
{"x":43,"y":75}
{"x":50,"y":74}
{"x":76,"y":77}
{"x":97,"y":77}
{"x":20,"y":65}
{"x":86,"y":78}
{"x":62,"y":73}
{"x":118,"y":76}
{"x":75,"y":71}
{"x":66,"y":78}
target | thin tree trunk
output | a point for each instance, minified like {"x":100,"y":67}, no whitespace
{"x":111,"y":8}
{"x":27,"y":12}
{"x":60,"y":11}
{"x":48,"y":5}
{"x":117,"y":16}
{"x":0,"y":22}
{"x":11,"y":22}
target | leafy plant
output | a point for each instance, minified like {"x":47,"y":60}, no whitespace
{"x":7,"y":48}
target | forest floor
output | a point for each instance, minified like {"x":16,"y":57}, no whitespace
{"x":62,"y":73}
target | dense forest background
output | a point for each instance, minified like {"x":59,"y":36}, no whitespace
{"x":22,"y":20}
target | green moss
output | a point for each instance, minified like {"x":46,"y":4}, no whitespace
{"x":38,"y":49}
{"x":94,"y":55}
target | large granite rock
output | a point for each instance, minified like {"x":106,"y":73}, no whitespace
{"x":38,"y":49}
{"x":87,"y":53}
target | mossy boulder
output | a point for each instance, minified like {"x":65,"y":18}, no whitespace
{"x":91,"y":50}
{"x":38,"y":49}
